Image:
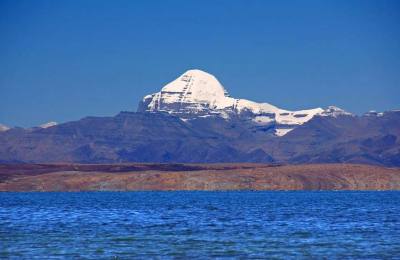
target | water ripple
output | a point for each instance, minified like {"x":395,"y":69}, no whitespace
{"x":200,"y":225}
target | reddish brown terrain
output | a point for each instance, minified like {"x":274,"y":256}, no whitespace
{"x":123,"y":177}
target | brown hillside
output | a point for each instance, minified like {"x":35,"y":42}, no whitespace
{"x":123,"y":177}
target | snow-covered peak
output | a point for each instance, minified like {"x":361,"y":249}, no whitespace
{"x":199,"y":86}
{"x":374,"y":113}
{"x":48,"y":124}
{"x":192,"y":92}
{"x":3,"y":128}
{"x":196,"y":94}
{"x":335,"y":111}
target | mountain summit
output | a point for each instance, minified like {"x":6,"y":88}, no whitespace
{"x":199,"y":94}
{"x":193,"y":92}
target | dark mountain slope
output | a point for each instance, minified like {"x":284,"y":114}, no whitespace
{"x":127,"y":137}
{"x":159,"y":137}
{"x":366,"y":139}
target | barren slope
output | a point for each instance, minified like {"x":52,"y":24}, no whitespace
{"x":121,"y":177}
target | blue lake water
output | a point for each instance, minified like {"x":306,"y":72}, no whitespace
{"x":126,"y":225}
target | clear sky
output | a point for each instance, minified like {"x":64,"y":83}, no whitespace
{"x":63,"y":60}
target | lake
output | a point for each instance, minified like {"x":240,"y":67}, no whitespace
{"x":126,"y":225}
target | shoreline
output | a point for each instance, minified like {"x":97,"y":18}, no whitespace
{"x":196,"y":177}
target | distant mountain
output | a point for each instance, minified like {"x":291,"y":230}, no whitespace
{"x":48,"y":124}
{"x":201,"y":123}
{"x":199,"y":94}
{"x":372,"y":139}
{"x":3,"y":128}
{"x":158,"y":137}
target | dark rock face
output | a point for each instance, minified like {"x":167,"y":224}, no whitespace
{"x":159,"y":137}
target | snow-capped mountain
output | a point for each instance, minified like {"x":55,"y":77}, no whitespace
{"x":3,"y":128}
{"x":335,"y":111}
{"x":199,"y":94}
{"x":48,"y":124}
{"x":193,"y":119}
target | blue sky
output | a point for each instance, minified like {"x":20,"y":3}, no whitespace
{"x":63,"y":60}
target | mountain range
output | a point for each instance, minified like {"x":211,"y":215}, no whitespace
{"x":194,"y":119}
